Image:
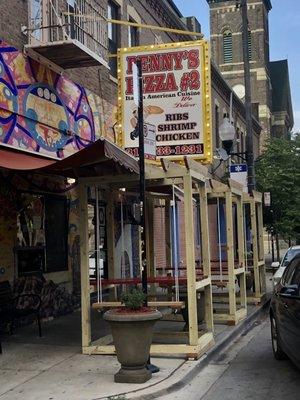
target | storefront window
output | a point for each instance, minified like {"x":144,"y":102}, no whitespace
{"x":42,"y":234}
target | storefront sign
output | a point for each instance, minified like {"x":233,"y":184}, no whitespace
{"x":176,"y":88}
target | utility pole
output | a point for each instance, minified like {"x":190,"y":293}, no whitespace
{"x":151,"y":367}
{"x":248,"y":104}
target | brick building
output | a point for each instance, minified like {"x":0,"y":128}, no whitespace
{"x":227,"y":52}
{"x":60,"y":97}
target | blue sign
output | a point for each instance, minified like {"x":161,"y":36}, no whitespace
{"x":238,"y":168}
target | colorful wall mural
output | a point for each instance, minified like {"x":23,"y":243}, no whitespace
{"x":45,"y":112}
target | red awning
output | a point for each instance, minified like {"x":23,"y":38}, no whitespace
{"x":9,"y":158}
{"x":100,"y":158}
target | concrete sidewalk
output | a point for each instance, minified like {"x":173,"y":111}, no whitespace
{"x":52,"y":367}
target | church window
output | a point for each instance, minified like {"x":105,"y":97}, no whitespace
{"x":227,"y":47}
{"x":250,"y":45}
{"x":249,"y":37}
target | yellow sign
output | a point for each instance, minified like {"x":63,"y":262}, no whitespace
{"x":177,"y":98}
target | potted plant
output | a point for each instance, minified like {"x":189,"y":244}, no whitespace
{"x":132,"y":331}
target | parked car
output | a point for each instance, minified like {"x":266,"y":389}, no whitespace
{"x":291,"y":252}
{"x":285,"y":314}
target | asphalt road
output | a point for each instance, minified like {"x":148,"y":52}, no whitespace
{"x":245,"y":371}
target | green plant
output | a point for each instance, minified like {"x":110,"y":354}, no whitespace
{"x":134,"y":299}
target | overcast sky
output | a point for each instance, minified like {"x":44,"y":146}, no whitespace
{"x":284,"y":37}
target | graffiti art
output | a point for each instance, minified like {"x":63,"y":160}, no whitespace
{"x":42,"y":111}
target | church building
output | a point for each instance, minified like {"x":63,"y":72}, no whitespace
{"x":271,"y":97}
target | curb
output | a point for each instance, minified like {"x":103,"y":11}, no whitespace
{"x":244,"y":327}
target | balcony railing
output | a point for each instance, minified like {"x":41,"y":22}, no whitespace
{"x":70,"y":33}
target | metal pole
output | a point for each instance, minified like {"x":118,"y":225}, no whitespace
{"x":248,"y":105}
{"x":151,"y":367}
{"x":142,"y":181}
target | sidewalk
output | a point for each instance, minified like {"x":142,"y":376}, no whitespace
{"x":46,"y":368}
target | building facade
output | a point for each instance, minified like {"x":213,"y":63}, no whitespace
{"x":59,"y":96}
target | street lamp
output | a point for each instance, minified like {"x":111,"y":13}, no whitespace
{"x":227,"y":134}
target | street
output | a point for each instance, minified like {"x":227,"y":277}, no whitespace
{"x":247,"y":370}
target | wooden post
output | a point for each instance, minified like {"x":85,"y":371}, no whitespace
{"x":190,"y":260}
{"x":241,"y":250}
{"x":110,"y":223}
{"x":84,"y":267}
{"x":205,"y":243}
{"x":255,"y":248}
{"x":261,"y":246}
{"x":168,"y":235}
{"x":230,"y":253}
{"x":260,"y":229}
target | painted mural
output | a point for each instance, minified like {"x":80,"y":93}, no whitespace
{"x":45,"y":112}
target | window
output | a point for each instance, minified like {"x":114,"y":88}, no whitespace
{"x":113,"y":36}
{"x":133,"y":35}
{"x":289,"y":271}
{"x":296,"y":276}
{"x":56,"y":232}
{"x":249,"y":45}
{"x":42,"y":235}
{"x":227,"y":47}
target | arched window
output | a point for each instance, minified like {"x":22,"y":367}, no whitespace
{"x":227,"y":47}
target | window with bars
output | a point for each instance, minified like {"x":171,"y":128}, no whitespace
{"x":227,"y":47}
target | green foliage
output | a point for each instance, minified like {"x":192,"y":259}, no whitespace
{"x":278,"y":172}
{"x":134,"y":299}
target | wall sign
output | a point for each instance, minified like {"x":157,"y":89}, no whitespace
{"x":177,"y":98}
{"x":239,"y":173}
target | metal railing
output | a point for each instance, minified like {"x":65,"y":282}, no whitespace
{"x":51,"y":21}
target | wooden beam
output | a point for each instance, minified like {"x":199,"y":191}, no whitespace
{"x":255,"y":248}
{"x":205,"y":243}
{"x":190,"y":259}
{"x":84,"y":266}
{"x":241,"y":250}
{"x":194,"y":166}
{"x":168,"y":232}
{"x":230,"y":253}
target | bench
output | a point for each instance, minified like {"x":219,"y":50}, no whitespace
{"x":10,"y":310}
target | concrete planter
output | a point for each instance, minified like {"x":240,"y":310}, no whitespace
{"x":132,"y":334}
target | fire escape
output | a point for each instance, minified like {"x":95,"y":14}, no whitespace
{"x":68,"y":33}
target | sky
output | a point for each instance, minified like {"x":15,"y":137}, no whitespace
{"x":284,"y":20}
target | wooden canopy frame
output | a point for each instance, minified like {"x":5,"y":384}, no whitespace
{"x":192,"y":176}
{"x":232,"y":193}
{"x":258,"y":262}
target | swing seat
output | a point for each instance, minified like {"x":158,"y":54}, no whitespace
{"x":117,"y":304}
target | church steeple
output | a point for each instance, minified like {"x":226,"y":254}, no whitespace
{"x":227,"y":52}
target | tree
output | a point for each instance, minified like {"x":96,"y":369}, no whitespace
{"x":278,"y":172}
